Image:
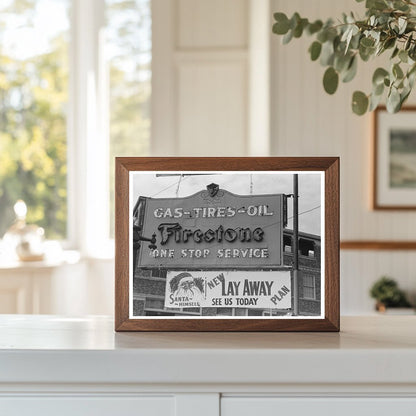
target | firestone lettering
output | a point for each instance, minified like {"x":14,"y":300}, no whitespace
{"x":181,"y":235}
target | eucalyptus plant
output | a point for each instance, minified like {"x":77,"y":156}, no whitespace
{"x":389,"y":27}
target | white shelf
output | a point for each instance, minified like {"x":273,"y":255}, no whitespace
{"x":48,"y":349}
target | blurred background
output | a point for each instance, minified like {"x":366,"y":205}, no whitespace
{"x":83,"y":81}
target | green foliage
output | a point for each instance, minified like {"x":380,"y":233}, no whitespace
{"x":330,"y":80}
{"x":389,"y":26}
{"x":386,"y":291}
{"x":359,"y":103}
{"x":315,"y":50}
{"x":282,"y":25}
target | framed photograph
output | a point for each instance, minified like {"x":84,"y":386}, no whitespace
{"x":227,"y":244}
{"x":394,"y":179}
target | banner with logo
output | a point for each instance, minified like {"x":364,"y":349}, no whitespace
{"x":228,"y":289}
{"x":213,"y":229}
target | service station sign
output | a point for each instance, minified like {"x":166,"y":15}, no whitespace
{"x":228,"y":289}
{"x":213,"y":229}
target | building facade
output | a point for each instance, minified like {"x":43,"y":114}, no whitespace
{"x":149,"y":285}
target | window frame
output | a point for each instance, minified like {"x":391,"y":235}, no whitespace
{"x":87,"y":132}
{"x":313,"y":277}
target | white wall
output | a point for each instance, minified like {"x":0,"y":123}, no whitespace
{"x":200,"y":77}
{"x":308,"y":122}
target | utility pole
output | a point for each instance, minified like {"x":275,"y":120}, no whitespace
{"x":295,"y":246}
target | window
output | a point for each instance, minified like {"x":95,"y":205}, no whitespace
{"x":309,"y":287}
{"x":75,"y":87}
{"x":287,"y":243}
{"x":154,"y":303}
{"x":306,"y":247}
{"x":33,"y":104}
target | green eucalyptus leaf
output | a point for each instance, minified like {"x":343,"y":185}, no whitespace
{"x":404,"y":96}
{"x":338,"y":44}
{"x":389,"y":43}
{"x":282,"y":26}
{"x":387,"y":82}
{"x":379,"y":75}
{"x":376,"y":4}
{"x":403,"y":56}
{"x":393,"y":101}
{"x":355,"y":41}
{"x":341,"y":62}
{"x":322,"y":35}
{"x":298,"y":30}
{"x":366,"y":53}
{"x":400,"y":5}
{"x":288,"y":37}
{"x":397,"y":71}
{"x":408,"y":42}
{"x":315,"y":50}
{"x":327,"y":54}
{"x":395,"y":52}
{"x":314,"y":27}
{"x":351,"y":71}
{"x":332,"y":33}
{"x":294,"y":20}
{"x":378,"y":89}
{"x":330,"y":80}
{"x":367,"y":42}
{"x":382,"y":19}
{"x":374,"y":102}
{"x":359,"y":103}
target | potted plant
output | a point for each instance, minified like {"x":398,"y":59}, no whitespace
{"x":389,"y":27}
{"x":387,"y":294}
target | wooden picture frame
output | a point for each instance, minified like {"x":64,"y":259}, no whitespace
{"x":147,"y":225}
{"x":394,"y":146}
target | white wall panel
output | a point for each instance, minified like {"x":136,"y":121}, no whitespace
{"x":200,"y":77}
{"x":305,"y":121}
{"x":212,"y":108}
{"x":212,"y":24}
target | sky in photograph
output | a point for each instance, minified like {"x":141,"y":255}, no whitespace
{"x":150,"y":185}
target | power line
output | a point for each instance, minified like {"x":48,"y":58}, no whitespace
{"x":170,"y":186}
{"x":305,"y":212}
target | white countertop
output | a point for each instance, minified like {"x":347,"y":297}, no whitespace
{"x":53,"y":349}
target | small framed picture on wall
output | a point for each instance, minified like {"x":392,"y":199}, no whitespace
{"x":394,"y":163}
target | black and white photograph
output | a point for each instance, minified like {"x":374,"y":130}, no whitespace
{"x":226,"y":245}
